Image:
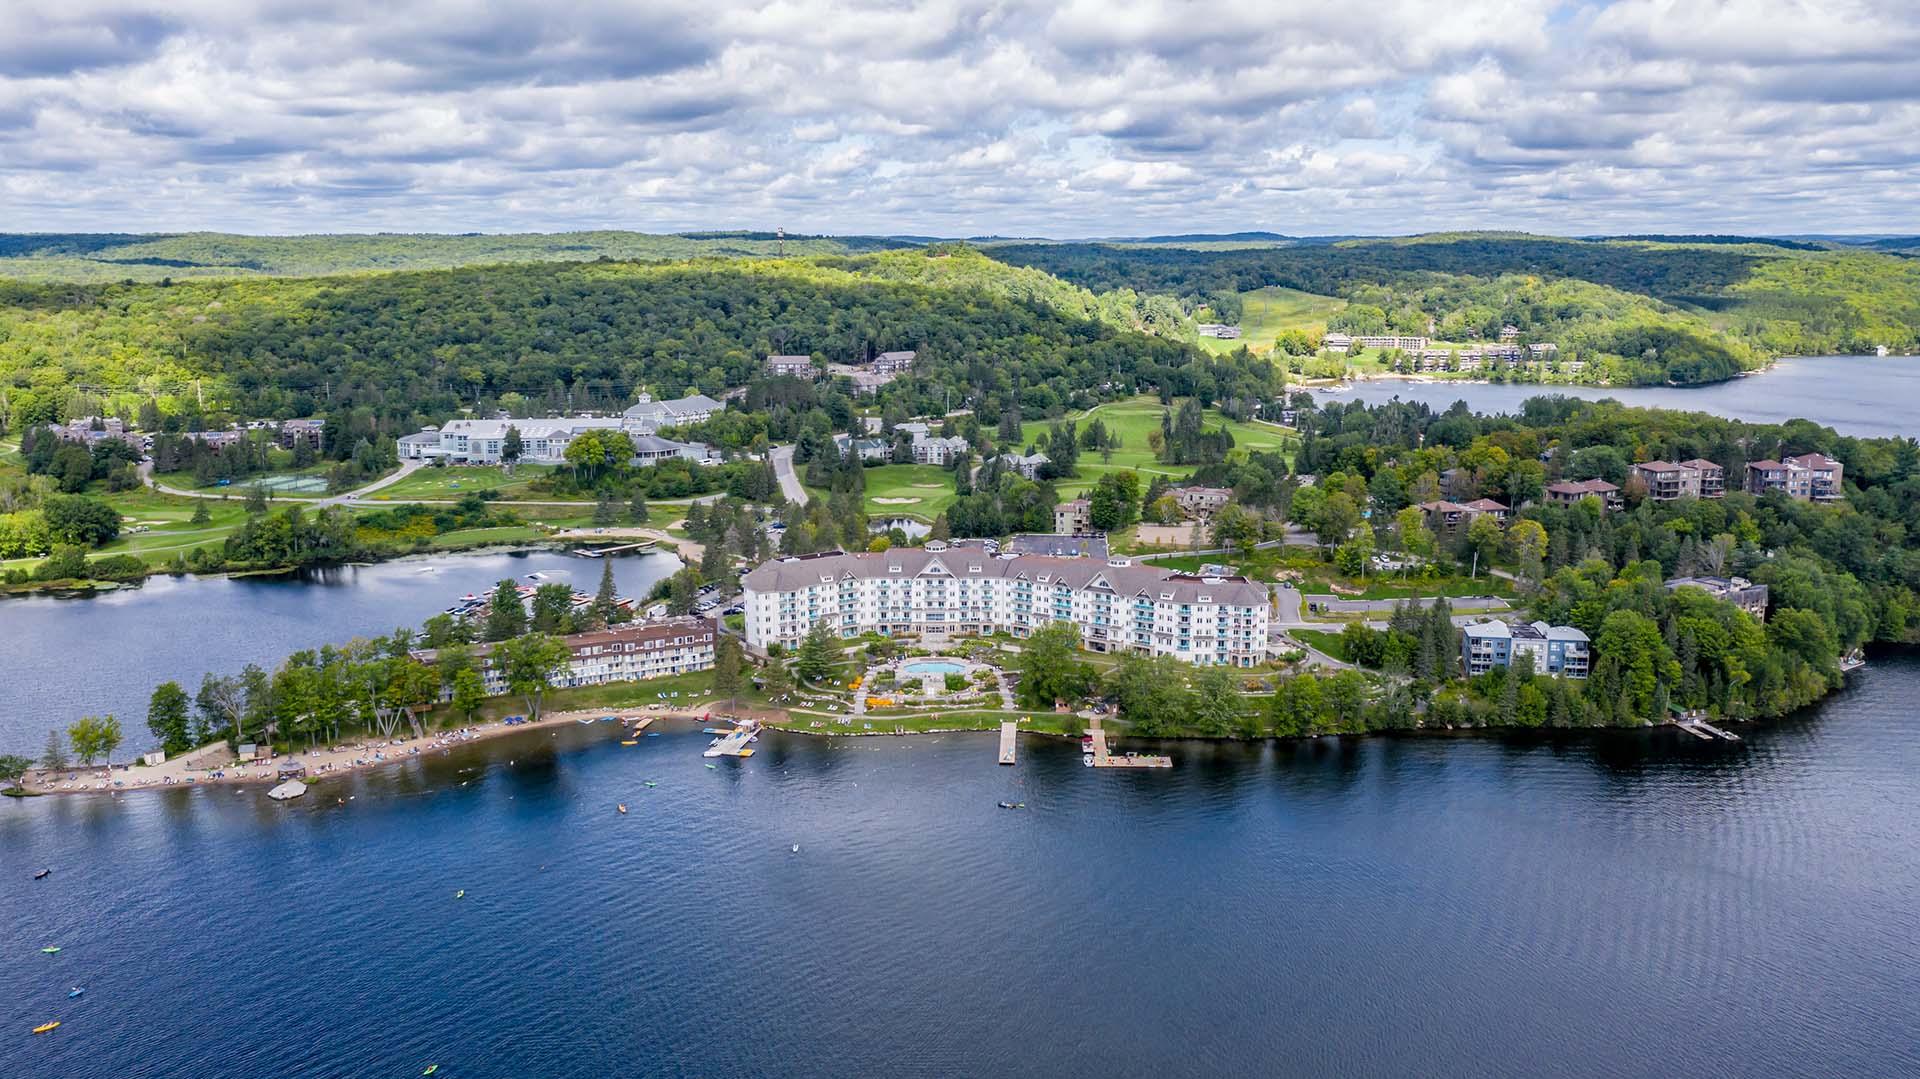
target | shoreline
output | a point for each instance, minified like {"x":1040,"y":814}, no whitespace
{"x":320,"y":763}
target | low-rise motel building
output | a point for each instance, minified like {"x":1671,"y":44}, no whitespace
{"x":624,"y":653}
{"x":1561,"y":651}
{"x":937,"y":592}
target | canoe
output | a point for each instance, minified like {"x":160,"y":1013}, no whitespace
{"x":44,"y":1027}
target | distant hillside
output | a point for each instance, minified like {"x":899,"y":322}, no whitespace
{"x":156,"y":256}
{"x":1692,"y":310}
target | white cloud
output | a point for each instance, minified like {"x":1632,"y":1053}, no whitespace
{"x":960,"y":116}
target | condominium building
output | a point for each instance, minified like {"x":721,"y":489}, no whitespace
{"x":481,"y":442}
{"x":1445,"y":518}
{"x":627,"y":653}
{"x":1202,"y":501}
{"x":936,"y":592}
{"x":1698,"y":478}
{"x":1340,"y":342}
{"x":797,"y":366}
{"x":648,"y":415}
{"x":889,"y":363}
{"x":1742,"y":593}
{"x":1557,"y":650}
{"x":311,"y":432}
{"x":1569,"y":492}
{"x":1027,"y":464}
{"x":1810,"y":477}
{"x":1073,"y":516}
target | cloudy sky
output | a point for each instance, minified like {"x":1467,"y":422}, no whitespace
{"x":954,"y":117}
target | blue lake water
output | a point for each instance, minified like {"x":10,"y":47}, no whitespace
{"x":1590,"y":905}
{"x":66,"y":657}
{"x":1864,"y":396}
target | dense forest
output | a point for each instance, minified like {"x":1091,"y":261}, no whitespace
{"x":562,"y":337}
{"x":95,"y":257}
{"x":1658,"y":312}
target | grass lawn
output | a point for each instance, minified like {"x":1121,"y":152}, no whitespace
{"x":612,"y":696}
{"x":1132,"y":419}
{"x":1267,"y":311}
{"x":1330,"y":643}
{"x":929,"y":488}
{"x":169,"y":523}
{"x":453,"y":481}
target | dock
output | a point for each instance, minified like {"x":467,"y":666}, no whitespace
{"x":641,"y":723}
{"x":1008,"y":742}
{"x":1700,"y":728}
{"x":733,"y":743}
{"x":1104,"y":758}
{"x":602,"y":552}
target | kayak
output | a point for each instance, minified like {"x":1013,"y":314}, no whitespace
{"x":54,"y":951}
{"x":461,"y":894}
{"x":42,"y":875}
{"x":431,"y":1068}
{"x":44,"y":1027}
{"x":76,"y":991}
{"x":712,"y":766}
{"x":629,"y":742}
{"x":623,"y":807}
{"x":651,"y":784}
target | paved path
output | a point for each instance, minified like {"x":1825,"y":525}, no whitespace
{"x":1341,"y":605}
{"x":790,"y":487}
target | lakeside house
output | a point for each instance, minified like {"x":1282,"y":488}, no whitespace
{"x":1445,"y":518}
{"x":1073,"y":517}
{"x":1569,"y":492}
{"x":1809,"y":477}
{"x":794,"y":366}
{"x":626,"y":653}
{"x":1742,"y":593}
{"x":935,"y":595}
{"x":1697,"y":478}
{"x":1562,"y":651}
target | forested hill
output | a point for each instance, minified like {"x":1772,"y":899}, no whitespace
{"x":1706,"y":309}
{"x":156,"y":256}
{"x":423,"y":344}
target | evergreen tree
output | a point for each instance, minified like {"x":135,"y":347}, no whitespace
{"x":818,"y":653}
{"x":604,"y":599}
{"x":200,"y":514}
{"x":506,"y":616}
{"x":727,"y":661}
{"x":637,"y":511}
{"x":603,"y":510}
{"x":54,"y":757}
{"x":511,"y":447}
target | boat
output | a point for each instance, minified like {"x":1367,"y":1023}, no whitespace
{"x":587,"y":721}
{"x":1086,"y":759}
{"x":74,"y":992}
{"x":651,"y":784}
{"x":42,"y":875}
{"x":45,"y":1027}
{"x":623,"y":807}
{"x":50,"y":951}
{"x":461,"y":894}
{"x":796,"y":848}
{"x":1008,"y":805}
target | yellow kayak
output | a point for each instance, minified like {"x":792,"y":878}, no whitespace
{"x":629,"y":742}
{"x":43,"y":1028}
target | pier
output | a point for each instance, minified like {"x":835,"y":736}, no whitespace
{"x":641,"y":723}
{"x":733,"y":743}
{"x":602,"y":552}
{"x":1008,"y":743}
{"x":1104,"y":758}
{"x":1700,"y":728}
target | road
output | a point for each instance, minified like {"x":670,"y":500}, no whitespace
{"x":790,"y":488}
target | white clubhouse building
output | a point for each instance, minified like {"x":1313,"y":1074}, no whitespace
{"x":936,"y":593}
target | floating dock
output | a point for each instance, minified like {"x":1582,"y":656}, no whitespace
{"x":733,"y":743}
{"x":1008,"y":742}
{"x":641,"y":723}
{"x":1103,"y":758}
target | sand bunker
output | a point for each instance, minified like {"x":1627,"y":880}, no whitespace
{"x":896,"y":501}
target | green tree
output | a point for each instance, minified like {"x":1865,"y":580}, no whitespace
{"x":506,"y":615}
{"x":683,"y":590}
{"x":95,"y":738}
{"x":200,"y":514}
{"x":1050,"y":667}
{"x":1148,"y":692}
{"x":603,"y":510}
{"x":530,"y":664}
{"x":12,"y":767}
{"x":468,"y":692}
{"x":775,"y":680}
{"x":256,"y":500}
{"x":607,"y":595}
{"x":552,"y":607}
{"x":1216,"y":701}
{"x":512,"y":446}
{"x":727,"y":662}
{"x":167,"y":718}
{"x":54,"y":756}
{"x":819,"y":651}
{"x":637,"y":511}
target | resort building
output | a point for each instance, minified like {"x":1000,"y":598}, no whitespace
{"x":91,"y":430}
{"x":1220,"y":330}
{"x":936,"y":594}
{"x":1810,"y":477}
{"x":1742,"y":593}
{"x":626,"y":653}
{"x":1073,"y":517}
{"x":1028,"y":465}
{"x":1562,"y":651}
{"x":1201,"y":501}
{"x":1568,"y":492}
{"x":649,"y":415}
{"x":480,"y":442}
{"x":893,"y":363}
{"x":929,"y":450}
{"x":796,"y":366}
{"x":1697,"y":478}
{"x":1340,"y":342}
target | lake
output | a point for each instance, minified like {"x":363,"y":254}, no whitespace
{"x":1854,"y":395}
{"x":66,"y":657}
{"x":1612,"y":904}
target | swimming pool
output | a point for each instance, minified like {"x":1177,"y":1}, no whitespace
{"x":932,"y":666}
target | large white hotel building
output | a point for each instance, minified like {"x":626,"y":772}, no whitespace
{"x":937,"y":593}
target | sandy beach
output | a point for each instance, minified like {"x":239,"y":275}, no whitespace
{"x":320,"y":762}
